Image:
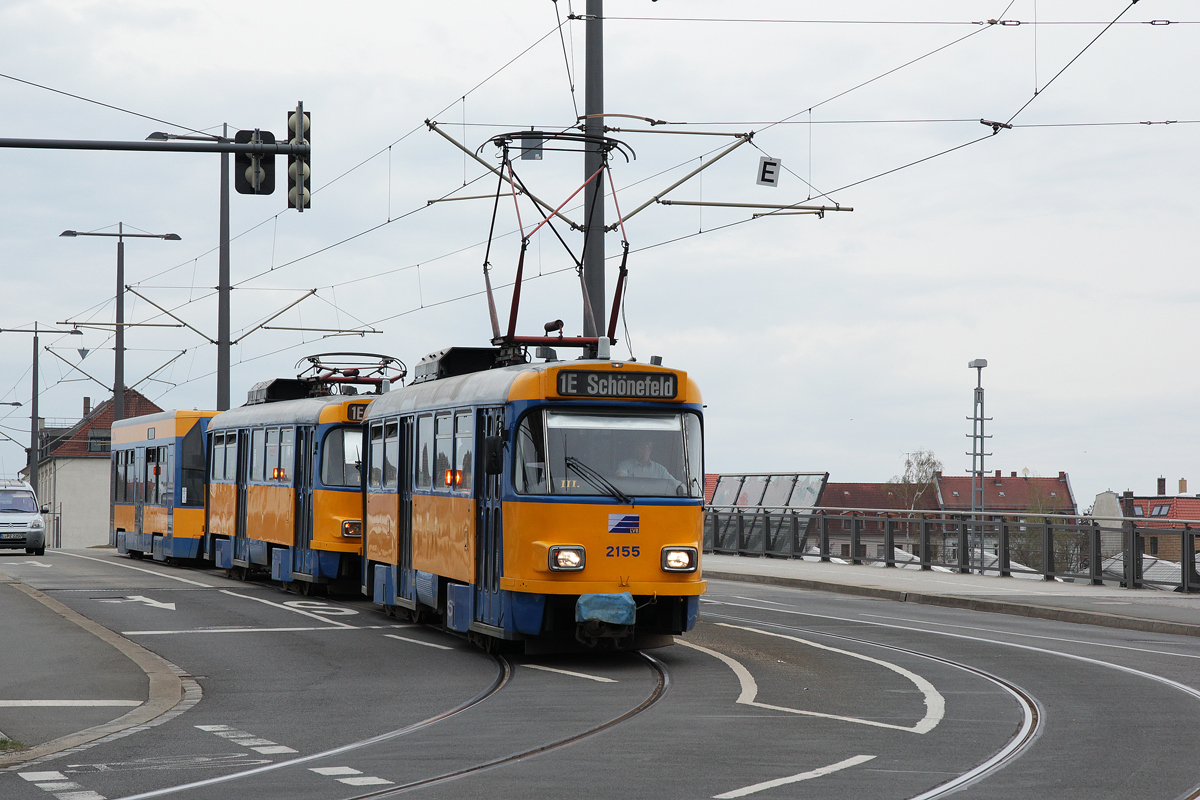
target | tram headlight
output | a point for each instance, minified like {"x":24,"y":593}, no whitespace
{"x":566,"y":558}
{"x":352,"y":529}
{"x":679,"y":559}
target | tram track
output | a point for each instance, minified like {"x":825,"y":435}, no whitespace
{"x":503,"y":676}
{"x":662,"y":684}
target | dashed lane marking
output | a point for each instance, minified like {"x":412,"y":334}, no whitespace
{"x":803,"y":776}
{"x":266,"y":630}
{"x":596,"y":678}
{"x":113,"y":563}
{"x":255,"y":743}
{"x":354,"y":777}
{"x":57,"y":784}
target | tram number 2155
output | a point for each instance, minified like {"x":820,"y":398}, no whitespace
{"x":623,"y":551}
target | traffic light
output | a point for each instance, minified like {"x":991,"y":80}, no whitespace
{"x":254,"y":173}
{"x":299,"y":193}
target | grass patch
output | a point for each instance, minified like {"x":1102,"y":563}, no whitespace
{"x":10,"y":744}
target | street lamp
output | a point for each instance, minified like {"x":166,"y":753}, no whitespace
{"x":222,"y":263}
{"x":33,"y":414}
{"x":977,"y":456}
{"x":119,"y":370}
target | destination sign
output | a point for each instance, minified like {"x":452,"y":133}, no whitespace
{"x":356,"y":412}
{"x":630,"y":385}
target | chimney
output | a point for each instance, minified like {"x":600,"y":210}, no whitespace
{"x":1014,"y":474}
{"x":1062,"y":476}
{"x":87,"y":406}
{"x":1127,"y":503}
{"x":1162,"y":486}
{"x":1183,"y":485}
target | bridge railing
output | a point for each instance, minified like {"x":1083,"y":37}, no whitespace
{"x":1136,"y":553}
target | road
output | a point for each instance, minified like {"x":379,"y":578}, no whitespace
{"x":779,"y":693}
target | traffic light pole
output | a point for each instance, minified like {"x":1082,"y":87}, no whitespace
{"x":223,"y":288}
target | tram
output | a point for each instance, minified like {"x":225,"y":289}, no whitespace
{"x":556,"y":503}
{"x":158,"y":484}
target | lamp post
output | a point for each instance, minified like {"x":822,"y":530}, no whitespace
{"x":977,"y":456}
{"x":33,"y":414}
{"x":119,"y":369}
{"x":222,"y":263}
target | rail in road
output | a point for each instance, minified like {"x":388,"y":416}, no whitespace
{"x":779,"y":692}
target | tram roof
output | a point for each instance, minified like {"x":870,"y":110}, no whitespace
{"x":476,"y":388}
{"x":285,"y":412}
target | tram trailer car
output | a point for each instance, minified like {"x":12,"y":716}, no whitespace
{"x":158,"y":485}
{"x":284,"y":490}
{"x":504,"y":501}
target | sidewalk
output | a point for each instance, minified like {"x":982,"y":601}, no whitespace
{"x":1132,"y":609}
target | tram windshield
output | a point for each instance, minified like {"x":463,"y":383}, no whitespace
{"x":341,"y":457}
{"x":619,"y":455}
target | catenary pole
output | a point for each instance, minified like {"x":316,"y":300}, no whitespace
{"x":593,"y":250}
{"x":223,"y":287}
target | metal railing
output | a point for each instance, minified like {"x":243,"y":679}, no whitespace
{"x":1135,"y":553}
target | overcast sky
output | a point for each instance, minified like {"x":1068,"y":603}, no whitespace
{"x":1063,"y":251}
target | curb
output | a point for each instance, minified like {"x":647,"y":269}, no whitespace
{"x":166,"y":687}
{"x":969,"y":603}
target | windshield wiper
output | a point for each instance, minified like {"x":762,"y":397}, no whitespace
{"x":597,"y":480}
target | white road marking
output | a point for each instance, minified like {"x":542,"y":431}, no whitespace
{"x":803,"y":776}
{"x":112,"y":563}
{"x":417,"y":641}
{"x":80,"y":796}
{"x":69,"y":704}
{"x":335,"y":770}
{"x":569,"y":672}
{"x":137,"y":598}
{"x":366,"y":780}
{"x":36,"y":777}
{"x":265,"y":630}
{"x":255,"y":743}
{"x":31,"y":564}
{"x":213,"y":728}
{"x":286,"y":608}
{"x":275,"y":749}
{"x":58,"y":786}
{"x":320,"y":608}
{"x":935,"y":704}
{"x":1037,"y":636}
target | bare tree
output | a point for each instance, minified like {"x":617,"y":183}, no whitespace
{"x":919,"y":480}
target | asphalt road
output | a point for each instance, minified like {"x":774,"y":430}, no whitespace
{"x":779,"y":693}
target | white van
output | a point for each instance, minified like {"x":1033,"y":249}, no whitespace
{"x":21,"y":523}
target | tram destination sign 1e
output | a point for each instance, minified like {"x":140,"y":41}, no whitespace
{"x":632,"y":385}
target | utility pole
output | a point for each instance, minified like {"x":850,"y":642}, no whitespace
{"x":593,"y":159}
{"x":223,"y":285}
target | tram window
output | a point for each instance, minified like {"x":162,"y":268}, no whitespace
{"x":287,"y":450}
{"x":257,"y":447}
{"x":424,"y":471}
{"x":391,"y":453}
{"x":138,"y":474}
{"x":152,"y":471}
{"x":376,"y":455}
{"x":444,"y":460}
{"x":218,"y":456}
{"x":119,"y":477}
{"x":464,"y":458}
{"x":192,"y":468}
{"x":529,"y":473}
{"x":342,"y":457}
{"x":130,"y":476}
{"x":166,"y":457}
{"x":272,"y":452}
{"x":231,"y":445}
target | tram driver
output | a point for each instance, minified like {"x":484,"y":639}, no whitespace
{"x":641,"y":465}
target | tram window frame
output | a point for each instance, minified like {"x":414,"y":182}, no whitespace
{"x":119,"y":463}
{"x":443,"y":451}
{"x":391,"y":453}
{"x":191,"y":468}
{"x":130,"y":476}
{"x":375,"y":450}
{"x":217,"y":468}
{"x":287,"y":454}
{"x":257,"y":449}
{"x":533,"y":426}
{"x":166,"y":482}
{"x":423,"y":473}
{"x":152,"y":476}
{"x":232,"y":441}
{"x":334,"y":465}
{"x":464,"y":456}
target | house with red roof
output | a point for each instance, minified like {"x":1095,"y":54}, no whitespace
{"x":1008,"y":494}
{"x":74,"y":473}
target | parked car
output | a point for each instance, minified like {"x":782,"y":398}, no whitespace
{"x":21,"y":523}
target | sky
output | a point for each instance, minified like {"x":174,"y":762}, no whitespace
{"x":1062,"y":250}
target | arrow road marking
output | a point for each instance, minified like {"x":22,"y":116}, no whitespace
{"x":803,"y":776}
{"x":31,"y":564}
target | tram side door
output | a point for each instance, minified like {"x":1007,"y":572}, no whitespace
{"x":241,"y":547}
{"x":404,"y":528}
{"x":306,"y":460}
{"x":488,"y":529}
